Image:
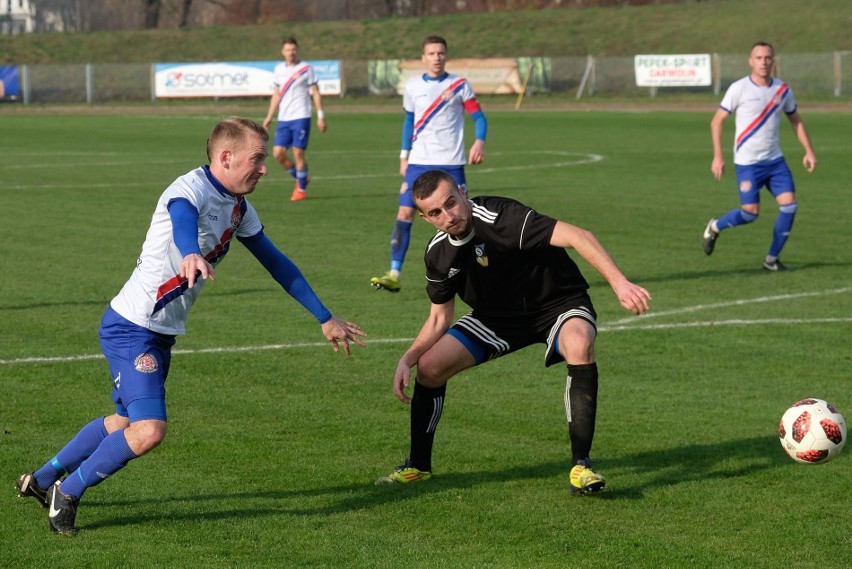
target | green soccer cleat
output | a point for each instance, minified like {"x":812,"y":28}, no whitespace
{"x":404,"y":474}
{"x":388,"y":282}
{"x":584,"y":480}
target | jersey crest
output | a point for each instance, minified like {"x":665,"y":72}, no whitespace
{"x":146,"y":363}
{"x":481,"y":257}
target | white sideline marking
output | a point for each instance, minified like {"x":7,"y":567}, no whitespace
{"x":576,"y":159}
{"x":741,"y":302}
{"x":615,"y":328}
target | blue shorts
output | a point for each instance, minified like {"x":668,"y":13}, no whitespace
{"x":489,"y":337}
{"x":413,"y":172}
{"x":775,"y":175}
{"x":293,"y":133}
{"x":139,"y":362}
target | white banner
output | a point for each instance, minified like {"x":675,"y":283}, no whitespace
{"x":672,"y":70}
{"x":233,"y":79}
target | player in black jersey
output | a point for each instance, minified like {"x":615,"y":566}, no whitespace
{"x":509,"y":264}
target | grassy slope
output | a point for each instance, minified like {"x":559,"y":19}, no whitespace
{"x":724,"y":26}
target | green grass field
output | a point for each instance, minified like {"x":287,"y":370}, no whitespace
{"x":275,"y":441}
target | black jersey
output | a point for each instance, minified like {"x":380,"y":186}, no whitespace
{"x":506,"y":266}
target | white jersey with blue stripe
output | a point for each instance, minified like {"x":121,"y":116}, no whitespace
{"x":294,"y":83}
{"x":438,"y":107}
{"x":155,"y":296}
{"x":758,"y":116}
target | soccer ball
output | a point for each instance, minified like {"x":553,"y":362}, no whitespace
{"x":812,"y":431}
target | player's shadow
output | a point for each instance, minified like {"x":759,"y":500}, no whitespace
{"x":646,"y":470}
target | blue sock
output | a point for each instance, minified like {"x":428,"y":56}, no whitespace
{"x":292,"y":171}
{"x":735,"y":217}
{"x":400,"y":238}
{"x":112,"y":455}
{"x":74,"y":453}
{"x":783,"y":225}
{"x":302,"y":178}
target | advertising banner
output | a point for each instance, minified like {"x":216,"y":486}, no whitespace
{"x":233,"y":79}
{"x":672,"y":70}
{"x":9,"y":84}
{"x":492,"y":75}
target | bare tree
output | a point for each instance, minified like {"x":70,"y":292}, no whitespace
{"x":184,"y":13}
{"x":152,"y":14}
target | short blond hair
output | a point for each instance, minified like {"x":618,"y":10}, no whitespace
{"x":231,"y":130}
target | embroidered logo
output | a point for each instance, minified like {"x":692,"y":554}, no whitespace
{"x":447,"y":94}
{"x":236,"y":219}
{"x":745,"y":186}
{"x":452,"y":273}
{"x":117,"y":381}
{"x":481,"y":257}
{"x":146,"y":363}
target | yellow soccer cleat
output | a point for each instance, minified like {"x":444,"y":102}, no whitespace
{"x":388,"y":282}
{"x":584,"y":480}
{"x":404,"y":474}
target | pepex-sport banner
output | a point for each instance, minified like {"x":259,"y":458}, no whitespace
{"x":691,"y":70}
{"x":9,"y":82}
{"x":233,"y":78}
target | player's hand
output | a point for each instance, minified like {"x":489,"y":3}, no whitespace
{"x":718,"y":168}
{"x":401,"y":381}
{"x":266,"y":122}
{"x":403,"y":166}
{"x":339,"y":331}
{"x":633,"y":297}
{"x":322,"y":124}
{"x":194,"y":266}
{"x":809,"y":162}
{"x":477,"y":152}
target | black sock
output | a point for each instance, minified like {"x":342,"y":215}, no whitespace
{"x":581,"y":402}
{"x":427,"y":404}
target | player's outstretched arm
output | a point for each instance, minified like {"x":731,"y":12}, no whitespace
{"x":436,"y":325}
{"x":631,"y":296}
{"x":339,"y":331}
{"x":274,"y":101}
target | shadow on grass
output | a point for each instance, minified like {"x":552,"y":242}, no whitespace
{"x":649,"y":470}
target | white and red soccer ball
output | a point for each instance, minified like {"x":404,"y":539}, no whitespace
{"x":812,"y":431}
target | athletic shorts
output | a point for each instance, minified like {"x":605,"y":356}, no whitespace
{"x":293,"y":133}
{"x":488,"y":338}
{"x":139,"y":362}
{"x":775,"y":175}
{"x":413,"y":172}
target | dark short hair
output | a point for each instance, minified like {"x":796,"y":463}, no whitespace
{"x":428,"y":182}
{"x":289,"y":39}
{"x":233,"y":129}
{"x":433,"y":39}
{"x":762,"y":44}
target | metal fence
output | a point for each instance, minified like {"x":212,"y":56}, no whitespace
{"x":814,"y":74}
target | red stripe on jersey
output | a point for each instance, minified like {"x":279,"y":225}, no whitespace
{"x":773,"y":104}
{"x":438,"y":102}
{"x":293,"y":77}
{"x":177,"y":281}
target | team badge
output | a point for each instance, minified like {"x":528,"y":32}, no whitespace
{"x":481,"y":257}
{"x":403,"y":188}
{"x":447,"y":94}
{"x":745,"y":186}
{"x":236,"y":219}
{"x":146,"y":363}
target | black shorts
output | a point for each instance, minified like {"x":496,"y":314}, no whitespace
{"x":489,"y":337}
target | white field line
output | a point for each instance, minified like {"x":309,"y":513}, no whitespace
{"x":740,"y":302}
{"x":267,"y":347}
{"x":572,"y":159}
